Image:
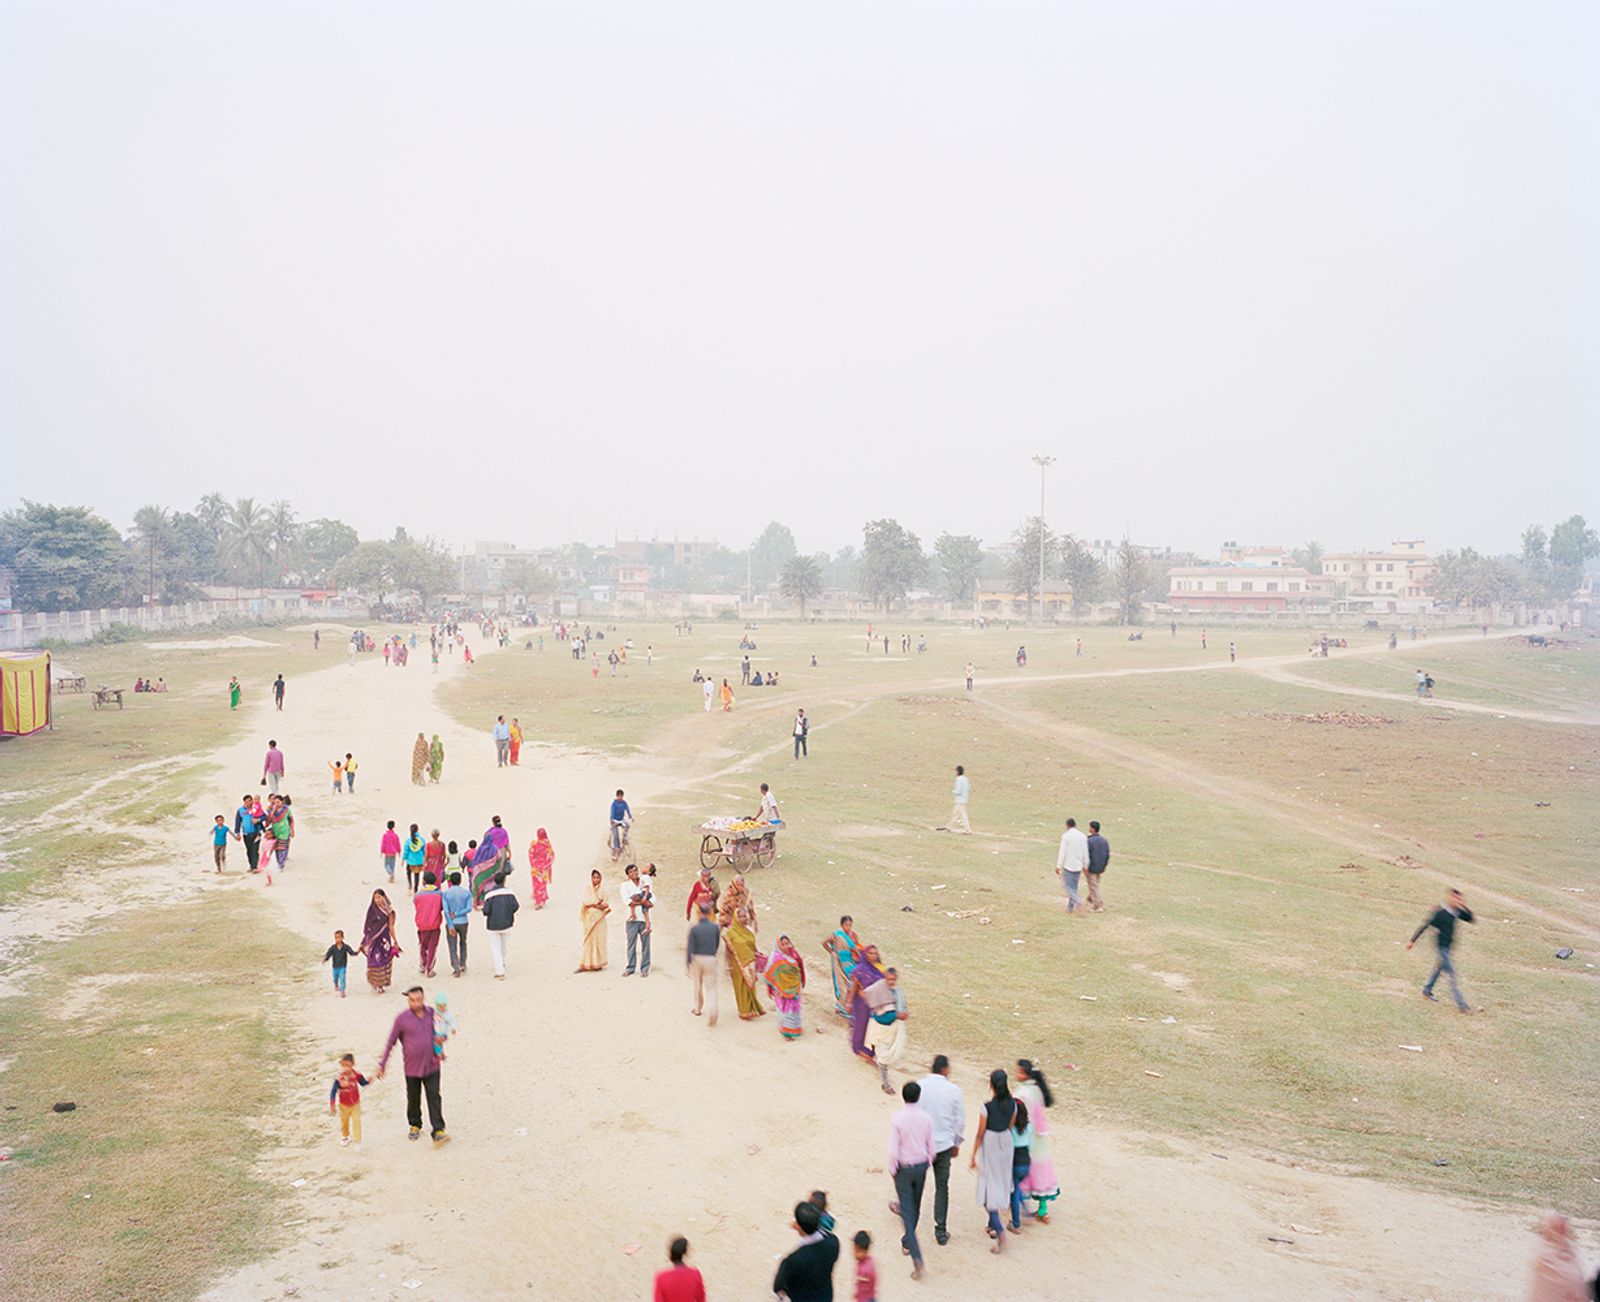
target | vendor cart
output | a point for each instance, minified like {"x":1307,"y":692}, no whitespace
{"x":738,"y":843}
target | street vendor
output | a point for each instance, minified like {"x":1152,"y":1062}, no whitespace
{"x":768,"y":813}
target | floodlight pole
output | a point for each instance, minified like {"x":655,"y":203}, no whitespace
{"x":1044,"y":463}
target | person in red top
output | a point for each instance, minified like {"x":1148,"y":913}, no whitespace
{"x":429,"y":906}
{"x":347,"y":1090}
{"x":679,"y":1283}
{"x":435,"y":855}
{"x":704,"y":888}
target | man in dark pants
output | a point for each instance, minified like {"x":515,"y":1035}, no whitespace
{"x":941,"y":1099}
{"x":744,"y":671}
{"x":802,"y":728}
{"x":414,"y":1030}
{"x":244,"y":824}
{"x":1443,"y":921}
{"x":911,"y":1153}
{"x":1099,"y":857}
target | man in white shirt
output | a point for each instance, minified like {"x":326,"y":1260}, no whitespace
{"x":709,"y":691}
{"x":768,"y":813}
{"x":1071,"y":859}
{"x":802,"y":727}
{"x":637,"y":899}
{"x":942,"y":1101}
{"x":958,"y":814}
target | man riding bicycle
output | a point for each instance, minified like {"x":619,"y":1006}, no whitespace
{"x":621,"y":816}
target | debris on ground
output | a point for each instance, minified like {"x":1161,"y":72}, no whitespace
{"x":1156,"y":1074}
{"x":1563,"y":953}
{"x":1441,"y":1161}
{"x":63,"y":1107}
{"x":1412,"y":1048}
{"x":1405,"y":861}
{"x":1278,"y":1238}
{"x":1338,"y":718}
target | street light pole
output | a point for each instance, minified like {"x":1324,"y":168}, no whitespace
{"x":1044,"y":463}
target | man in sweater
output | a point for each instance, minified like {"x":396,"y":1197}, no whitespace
{"x":1072,"y":858}
{"x":1099,"y":856}
{"x":1443,"y":921}
{"x":499,"y":914}
{"x":705,"y":939}
{"x":413,"y":1029}
{"x":806,"y":1274}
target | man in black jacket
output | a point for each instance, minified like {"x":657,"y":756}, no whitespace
{"x":1443,"y":920}
{"x":499,"y":914}
{"x":806,"y":1274}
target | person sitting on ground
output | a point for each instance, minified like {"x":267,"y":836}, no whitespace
{"x":138,"y":684}
{"x":758,"y":681}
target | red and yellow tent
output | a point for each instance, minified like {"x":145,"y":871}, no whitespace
{"x":24,"y":694}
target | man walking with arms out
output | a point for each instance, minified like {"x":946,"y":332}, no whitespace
{"x":1099,"y":857}
{"x":705,"y":939}
{"x":1443,"y":920}
{"x":413,"y":1028}
{"x":1071,"y":860}
{"x":911,"y":1153}
{"x":941,"y":1100}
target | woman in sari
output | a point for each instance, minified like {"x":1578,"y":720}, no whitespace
{"x":233,"y":693}
{"x":842,"y":947}
{"x":785,"y":975}
{"x":435,"y":758}
{"x":592,"y":914}
{"x":734,"y":901}
{"x":743,"y":962}
{"x":1040,"y":1183}
{"x":419,"y":760}
{"x":885,"y":1037}
{"x":516,"y":741}
{"x":727,"y":696}
{"x":866,"y":975}
{"x":378,"y":942}
{"x":491,"y":856}
{"x":542,"y":860}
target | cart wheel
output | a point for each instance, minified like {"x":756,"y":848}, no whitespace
{"x":740,"y":854}
{"x":710,"y":851}
{"x":767,"y":850}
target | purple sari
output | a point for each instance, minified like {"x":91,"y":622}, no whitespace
{"x":865,"y":974}
{"x":493,"y":854}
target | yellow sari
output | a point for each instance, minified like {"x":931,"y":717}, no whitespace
{"x":592,"y":913}
{"x":741,"y":943}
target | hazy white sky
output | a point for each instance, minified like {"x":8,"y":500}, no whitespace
{"x":1264,"y":271}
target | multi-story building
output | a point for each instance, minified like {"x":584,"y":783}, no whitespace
{"x":1379,"y":582}
{"x":1240,"y":588}
{"x":688,"y":554}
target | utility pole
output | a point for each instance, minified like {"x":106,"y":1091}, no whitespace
{"x":1044,"y":463}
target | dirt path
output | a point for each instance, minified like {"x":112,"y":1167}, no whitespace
{"x":591,"y":1113}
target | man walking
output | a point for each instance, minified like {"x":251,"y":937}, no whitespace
{"x":705,"y":939}
{"x":744,"y":671}
{"x":636,"y":898}
{"x":1443,"y":920}
{"x":1099,"y":857}
{"x":959,"y":792}
{"x":710,"y":690}
{"x":499,"y":914}
{"x":457,"y":912}
{"x":1072,"y":858}
{"x":941,"y":1100}
{"x":1233,"y":652}
{"x":272,"y":767}
{"x":802,"y":727}
{"x":413,"y":1028}
{"x":911,"y":1153}
{"x":502,"y":742}
{"x":970,"y":673}
{"x":278,"y":686}
{"x":248,"y":830}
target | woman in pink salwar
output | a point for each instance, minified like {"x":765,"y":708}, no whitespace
{"x":542,"y":860}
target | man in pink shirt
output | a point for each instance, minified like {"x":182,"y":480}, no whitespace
{"x":429,"y":906}
{"x":272,"y":767}
{"x":910,"y":1155}
{"x":413,"y":1031}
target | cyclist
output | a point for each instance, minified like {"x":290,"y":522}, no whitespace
{"x":621,"y":816}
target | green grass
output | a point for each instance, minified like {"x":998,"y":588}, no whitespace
{"x":1254,"y":899}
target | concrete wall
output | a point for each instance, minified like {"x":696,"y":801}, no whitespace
{"x":21,"y":629}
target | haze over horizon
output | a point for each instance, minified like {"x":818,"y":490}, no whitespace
{"x":1254,"y":271}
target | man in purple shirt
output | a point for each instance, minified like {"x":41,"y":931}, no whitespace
{"x":414,"y":1029}
{"x":272,"y":767}
{"x":910,"y":1155}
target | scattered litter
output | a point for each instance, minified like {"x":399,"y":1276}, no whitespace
{"x":984,"y":922}
{"x":1412,"y":1048}
{"x":906,"y":908}
{"x":1019,"y":942}
{"x":1090,"y":999}
{"x":1169,"y":1021}
{"x":289,"y":1290}
{"x":520,"y":1131}
{"x":87,"y":1197}
{"x":1156,"y":1074}
{"x":630,"y":1248}
{"x":63,"y":1107}
{"x":1278,"y":1238}
{"x":753,"y":1149}
{"x":1541,"y":804}
{"x":1340,"y":718}
{"x":1220,"y":1156}
{"x":291,"y":1224}
{"x":1563,"y":953}
{"x":1441,"y":1161}
{"x":1304,"y":1229}
{"x":941,"y":886}
{"x":411,"y":1283}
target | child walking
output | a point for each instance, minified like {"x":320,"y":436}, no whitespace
{"x":219,"y":841}
{"x":337,"y":766}
{"x":340,"y":953}
{"x":345,"y":1098}
{"x":389,"y":848}
{"x":866,"y":1269}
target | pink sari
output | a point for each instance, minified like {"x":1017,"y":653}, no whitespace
{"x":542,"y":860}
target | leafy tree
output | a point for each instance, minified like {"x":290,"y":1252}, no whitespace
{"x":368,"y":568}
{"x":282,"y":534}
{"x":1572,"y":544}
{"x":61,"y":557}
{"x":1309,"y":557}
{"x":769,"y":553}
{"x":892,"y":561}
{"x":247,"y":538}
{"x":1465,"y":578}
{"x":840,"y":571}
{"x":1083,"y":571}
{"x":525,"y":578}
{"x":425,"y":568}
{"x":199,"y":547}
{"x":323,"y":544}
{"x":960,"y":558}
{"x":801,"y":580}
{"x":1023,"y":571}
{"x":1131,"y":573}
{"x":213,"y":512}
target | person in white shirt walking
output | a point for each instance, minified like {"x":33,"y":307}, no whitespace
{"x":911,"y":1153}
{"x":959,"y":792}
{"x":637,"y":899}
{"x":942,"y":1101}
{"x":1072,"y":859}
{"x":710,"y":690}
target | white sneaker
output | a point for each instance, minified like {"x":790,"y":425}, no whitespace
{"x":344,"y":1141}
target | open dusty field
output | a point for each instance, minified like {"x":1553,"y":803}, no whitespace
{"x":1225,"y":1039}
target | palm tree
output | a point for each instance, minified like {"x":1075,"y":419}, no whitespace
{"x":213,"y":512}
{"x":247,"y":537}
{"x":282,"y":531}
{"x":152,"y":533}
{"x":801,"y":580}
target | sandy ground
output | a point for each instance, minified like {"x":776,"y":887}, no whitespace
{"x":592,"y":1113}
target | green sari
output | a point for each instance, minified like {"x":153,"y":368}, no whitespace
{"x":741,"y":943}
{"x":436,"y":758}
